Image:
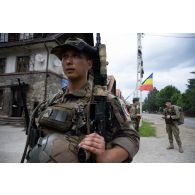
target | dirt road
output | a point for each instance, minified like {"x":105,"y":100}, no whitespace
{"x":153,"y":149}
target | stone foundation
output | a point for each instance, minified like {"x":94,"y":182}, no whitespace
{"x":35,"y":88}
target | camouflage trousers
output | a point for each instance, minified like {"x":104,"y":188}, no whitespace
{"x":172,"y":129}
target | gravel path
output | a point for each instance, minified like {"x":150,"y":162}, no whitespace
{"x":153,"y":149}
{"x":12,"y":142}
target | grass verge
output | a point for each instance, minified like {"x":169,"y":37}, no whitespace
{"x":147,"y":129}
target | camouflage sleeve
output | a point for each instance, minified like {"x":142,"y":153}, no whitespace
{"x":133,"y":113}
{"x":125,"y":135}
{"x":176,"y":111}
{"x":163,"y":113}
{"x":138,"y":110}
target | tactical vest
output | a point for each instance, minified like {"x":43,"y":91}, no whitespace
{"x":64,"y":118}
{"x":171,"y":111}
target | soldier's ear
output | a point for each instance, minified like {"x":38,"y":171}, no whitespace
{"x":90,"y":62}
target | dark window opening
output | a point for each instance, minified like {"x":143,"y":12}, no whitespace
{"x":22,"y":64}
{"x":2,"y":65}
{"x":13,"y":37}
{"x":17,"y":106}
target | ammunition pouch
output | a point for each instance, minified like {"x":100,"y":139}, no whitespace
{"x":58,"y":117}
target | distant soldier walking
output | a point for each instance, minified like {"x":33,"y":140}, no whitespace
{"x":171,"y":116}
{"x":135,"y":113}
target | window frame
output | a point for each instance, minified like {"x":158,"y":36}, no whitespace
{"x":3,"y":37}
{"x":21,"y":67}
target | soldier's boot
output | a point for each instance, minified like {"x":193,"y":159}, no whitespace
{"x":171,"y":146}
{"x":180,"y":149}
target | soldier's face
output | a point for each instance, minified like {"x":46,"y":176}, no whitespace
{"x":168,"y":104}
{"x":75,"y":65}
{"x":136,"y":103}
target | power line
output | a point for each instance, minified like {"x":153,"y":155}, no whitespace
{"x":171,"y":36}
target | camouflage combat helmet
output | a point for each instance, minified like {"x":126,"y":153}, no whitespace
{"x":56,"y":148}
{"x":74,"y":43}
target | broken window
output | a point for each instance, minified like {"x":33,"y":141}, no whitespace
{"x":2,"y":65}
{"x":22,"y":64}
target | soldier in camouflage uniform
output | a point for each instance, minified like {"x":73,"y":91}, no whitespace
{"x":135,"y":113}
{"x":171,"y":116}
{"x":64,"y":120}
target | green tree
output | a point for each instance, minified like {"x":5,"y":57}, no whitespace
{"x":150,"y":103}
{"x":156,"y":99}
{"x":145,"y":104}
{"x":168,"y":93}
{"x":188,"y":98}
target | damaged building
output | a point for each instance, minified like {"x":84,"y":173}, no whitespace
{"x":27,"y":56}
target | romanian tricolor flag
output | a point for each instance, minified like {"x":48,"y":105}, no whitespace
{"x":147,"y":85}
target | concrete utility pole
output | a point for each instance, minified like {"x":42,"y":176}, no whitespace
{"x":140,"y":70}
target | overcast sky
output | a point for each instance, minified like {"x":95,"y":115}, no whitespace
{"x":169,"y":57}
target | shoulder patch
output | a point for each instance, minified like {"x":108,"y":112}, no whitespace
{"x":120,"y":109}
{"x":123,"y":105}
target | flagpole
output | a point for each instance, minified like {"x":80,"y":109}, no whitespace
{"x":140,"y":71}
{"x":140,"y":105}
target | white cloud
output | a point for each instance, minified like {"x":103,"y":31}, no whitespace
{"x":177,"y":77}
{"x":170,"y":59}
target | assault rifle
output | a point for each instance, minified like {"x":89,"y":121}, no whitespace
{"x":23,"y":97}
{"x":31,"y":127}
{"x":99,"y":106}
